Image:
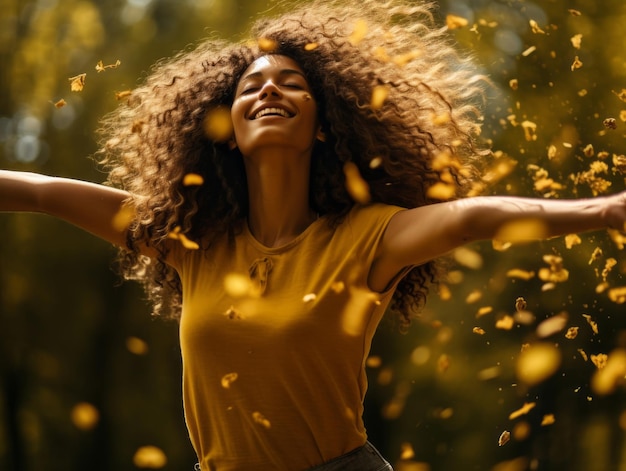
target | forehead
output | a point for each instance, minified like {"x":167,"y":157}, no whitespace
{"x":272,"y":62}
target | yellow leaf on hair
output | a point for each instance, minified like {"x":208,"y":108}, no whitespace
{"x":403,"y":59}
{"x":310,"y":46}
{"x":379,"y":95}
{"x":267,"y":44}
{"x":359,"y":32}
{"x":122,"y":95}
{"x":355,"y":184}
{"x":193,"y":179}
{"x":218,"y":124}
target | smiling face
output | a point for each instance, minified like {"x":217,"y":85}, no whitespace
{"x":274,"y":107}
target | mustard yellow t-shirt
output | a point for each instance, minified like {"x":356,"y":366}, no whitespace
{"x":274,"y":372}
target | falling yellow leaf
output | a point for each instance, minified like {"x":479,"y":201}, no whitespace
{"x":618,"y":295}
{"x":229,"y":379}
{"x":468,"y":258}
{"x":504,"y":438}
{"x":149,"y":457}
{"x":355,"y":184}
{"x":522,"y":230}
{"x":577,"y":64}
{"x":218,"y":125}
{"x":193,"y":179}
{"x":525,"y":409}
{"x":441,"y":191}
{"x":77,"y":83}
{"x":505,"y":322}
{"x":237,"y":285}
{"x":577,"y":40}
{"x":521,"y":274}
{"x":572,"y":240}
{"x":455,"y":22}
{"x":100,"y":67}
{"x":534,"y":27}
{"x":571,"y":333}
{"x":136,"y":346}
{"x":613,"y":373}
{"x":529,"y":51}
{"x":261,"y":420}
{"x":123,"y":218}
{"x":592,"y":323}
{"x":85,"y":416}
{"x":548,"y":419}
{"x":537,"y":363}
{"x":60,"y":104}
{"x":552,"y":325}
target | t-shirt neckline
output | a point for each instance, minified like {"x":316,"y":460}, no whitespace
{"x":282,"y":248}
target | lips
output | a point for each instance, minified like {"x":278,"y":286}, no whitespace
{"x":271,"y":111}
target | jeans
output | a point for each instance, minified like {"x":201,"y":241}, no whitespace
{"x":365,"y":458}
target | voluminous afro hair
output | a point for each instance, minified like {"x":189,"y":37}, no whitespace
{"x":409,"y":147}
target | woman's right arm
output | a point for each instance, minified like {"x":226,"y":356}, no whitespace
{"x":89,"y":206}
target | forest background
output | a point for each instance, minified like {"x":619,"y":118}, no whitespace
{"x":89,"y":381}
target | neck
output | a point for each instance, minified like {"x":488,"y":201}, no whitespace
{"x":278,"y":186}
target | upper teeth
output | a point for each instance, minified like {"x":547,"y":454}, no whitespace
{"x":265,"y":111}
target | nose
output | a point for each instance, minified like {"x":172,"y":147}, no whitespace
{"x":269,"y":89}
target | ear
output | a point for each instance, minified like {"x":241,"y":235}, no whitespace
{"x":320,"y":136}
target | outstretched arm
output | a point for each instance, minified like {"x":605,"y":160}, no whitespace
{"x":89,"y":206}
{"x":418,"y":235}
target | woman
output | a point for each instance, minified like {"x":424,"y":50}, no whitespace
{"x":281,"y":243}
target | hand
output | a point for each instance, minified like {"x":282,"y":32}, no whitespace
{"x":615,"y":211}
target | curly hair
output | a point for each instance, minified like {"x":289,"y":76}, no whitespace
{"x":347,"y":50}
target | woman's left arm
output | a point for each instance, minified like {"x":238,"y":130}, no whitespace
{"x":418,"y":235}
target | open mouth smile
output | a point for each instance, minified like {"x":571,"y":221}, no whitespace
{"x":272,"y":112}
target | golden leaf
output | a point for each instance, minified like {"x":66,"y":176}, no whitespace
{"x":85,"y":416}
{"x":149,"y":457}
{"x":193,"y":179}
{"x":267,"y":44}
{"x":537,"y":363}
{"x":455,"y":22}
{"x":525,"y":409}
{"x":355,"y":184}
{"x":229,"y":379}
{"x":77,"y":83}
{"x":218,"y":124}
{"x":359,"y":32}
{"x":379,"y":95}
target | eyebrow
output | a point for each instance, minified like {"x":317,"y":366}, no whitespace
{"x":282,"y":72}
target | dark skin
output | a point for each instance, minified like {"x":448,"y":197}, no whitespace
{"x":277,"y":150}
